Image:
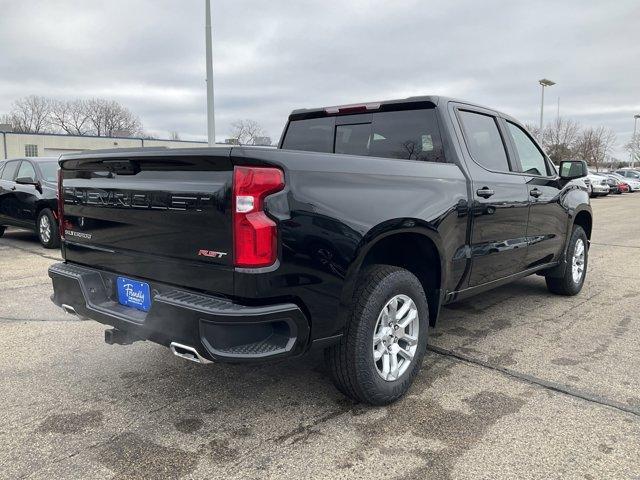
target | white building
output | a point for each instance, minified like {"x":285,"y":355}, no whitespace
{"x":52,"y":144}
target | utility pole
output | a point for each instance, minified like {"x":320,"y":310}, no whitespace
{"x":634,"y":143}
{"x":211,"y":119}
{"x":543,"y":83}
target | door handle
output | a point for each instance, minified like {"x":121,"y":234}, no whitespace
{"x":535,"y":193}
{"x":484,"y":192}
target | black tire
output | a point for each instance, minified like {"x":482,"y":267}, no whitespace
{"x":566,"y":285}
{"x":52,"y":240}
{"x":2,"y":229}
{"x":351,"y":362}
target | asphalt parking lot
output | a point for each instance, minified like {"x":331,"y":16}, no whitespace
{"x":518,"y":384}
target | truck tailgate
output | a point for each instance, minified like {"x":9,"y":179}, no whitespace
{"x":166,"y":218}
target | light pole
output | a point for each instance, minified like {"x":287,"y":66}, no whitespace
{"x":634,"y":143}
{"x":211,"y":119}
{"x":543,"y":83}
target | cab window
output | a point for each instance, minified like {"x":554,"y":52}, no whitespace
{"x":531,"y":158}
{"x":9,"y":170}
{"x":484,"y":140}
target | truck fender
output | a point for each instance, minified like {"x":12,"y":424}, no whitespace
{"x":376,"y":235}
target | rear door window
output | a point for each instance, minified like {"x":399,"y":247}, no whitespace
{"x":9,"y":170}
{"x":484,"y":140}
{"x":406,"y":135}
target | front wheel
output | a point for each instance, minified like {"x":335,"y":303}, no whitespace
{"x":47,"y":228}
{"x":385,"y":338}
{"x":577,"y":255}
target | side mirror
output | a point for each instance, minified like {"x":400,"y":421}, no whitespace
{"x":26,"y":181}
{"x":570,"y":169}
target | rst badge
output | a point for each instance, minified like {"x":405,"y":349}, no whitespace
{"x":211,"y":253}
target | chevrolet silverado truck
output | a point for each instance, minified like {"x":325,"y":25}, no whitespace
{"x":349,"y":237}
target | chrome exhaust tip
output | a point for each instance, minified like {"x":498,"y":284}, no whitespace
{"x":188,"y":353}
{"x":69,"y":309}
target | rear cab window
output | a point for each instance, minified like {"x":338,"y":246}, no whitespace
{"x":403,"y":134}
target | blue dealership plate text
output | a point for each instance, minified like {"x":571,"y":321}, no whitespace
{"x":134,"y":294}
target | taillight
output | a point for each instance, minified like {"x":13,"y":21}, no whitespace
{"x":60,"y":204}
{"x":255,"y":235}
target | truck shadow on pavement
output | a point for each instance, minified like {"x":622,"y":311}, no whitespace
{"x":252,"y":415}
{"x":28,"y":237}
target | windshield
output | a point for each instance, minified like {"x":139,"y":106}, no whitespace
{"x":49,"y":171}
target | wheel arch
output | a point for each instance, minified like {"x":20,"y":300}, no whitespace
{"x":42,"y":204}
{"x":409,"y":245}
{"x":584,"y":218}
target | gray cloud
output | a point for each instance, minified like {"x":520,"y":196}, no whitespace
{"x":272,"y":57}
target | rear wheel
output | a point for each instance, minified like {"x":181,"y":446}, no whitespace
{"x":47,"y":228}
{"x":385,"y":338}
{"x":577,"y":255}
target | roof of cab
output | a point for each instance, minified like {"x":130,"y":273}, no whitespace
{"x":424,"y":100}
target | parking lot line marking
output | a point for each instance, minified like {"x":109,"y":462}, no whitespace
{"x":553,"y":386}
{"x":614,"y":245}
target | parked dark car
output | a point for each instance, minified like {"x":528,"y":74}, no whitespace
{"x":615,"y":185}
{"x":28,"y":189}
{"x":348,"y":238}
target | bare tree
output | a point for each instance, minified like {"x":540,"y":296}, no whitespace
{"x":594,"y":145}
{"x":5,"y":119}
{"x":30,"y":114}
{"x":107,"y":117}
{"x":534,"y":131}
{"x":246,"y":131}
{"x":633,"y":147}
{"x":559,"y":137}
{"x":71,"y":116}
{"x":173,"y":135}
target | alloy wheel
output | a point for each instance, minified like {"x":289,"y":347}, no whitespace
{"x":395,"y":338}
{"x":577,"y":262}
{"x":45,"y":229}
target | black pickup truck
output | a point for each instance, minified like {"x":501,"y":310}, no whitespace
{"x":349,"y":237}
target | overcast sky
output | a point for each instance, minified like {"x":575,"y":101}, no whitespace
{"x":273,"y":56}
